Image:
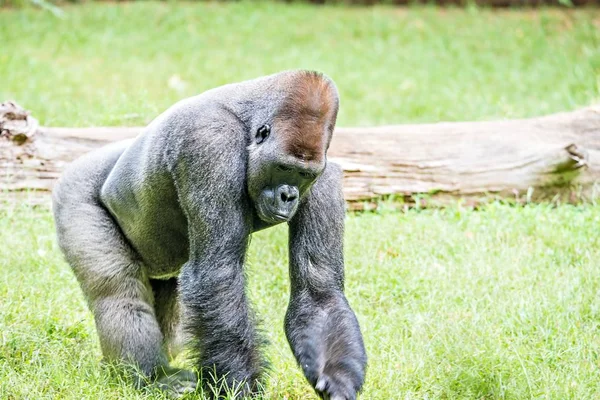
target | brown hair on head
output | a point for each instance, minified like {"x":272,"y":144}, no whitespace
{"x":307,"y":116}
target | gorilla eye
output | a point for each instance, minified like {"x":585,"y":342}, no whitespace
{"x":307,"y":175}
{"x":262,"y":133}
{"x":283,"y":168}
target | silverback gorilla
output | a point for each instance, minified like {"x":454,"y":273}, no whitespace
{"x":156,"y":231}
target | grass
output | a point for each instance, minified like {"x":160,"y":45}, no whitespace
{"x":500,"y":303}
{"x":122,"y":64}
{"x":495,"y":304}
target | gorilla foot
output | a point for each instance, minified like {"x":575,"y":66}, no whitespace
{"x":176,"y":382}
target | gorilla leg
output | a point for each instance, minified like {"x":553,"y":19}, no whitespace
{"x":114,"y":283}
{"x":117,"y":290}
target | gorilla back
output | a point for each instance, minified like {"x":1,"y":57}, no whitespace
{"x":156,"y":231}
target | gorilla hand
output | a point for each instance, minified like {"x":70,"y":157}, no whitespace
{"x":328,"y":347}
{"x":343,"y":371}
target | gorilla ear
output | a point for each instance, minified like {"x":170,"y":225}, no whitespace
{"x":262,"y":133}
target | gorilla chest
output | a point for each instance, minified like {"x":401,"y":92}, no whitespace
{"x":163,"y":243}
{"x":155,"y":226}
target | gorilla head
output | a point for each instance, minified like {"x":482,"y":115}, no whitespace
{"x":288,"y":151}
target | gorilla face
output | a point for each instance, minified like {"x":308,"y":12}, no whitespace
{"x":277,"y":180}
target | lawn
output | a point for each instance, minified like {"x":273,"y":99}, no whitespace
{"x":122,"y":64}
{"x":498,"y":303}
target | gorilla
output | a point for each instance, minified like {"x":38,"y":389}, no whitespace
{"x":156,"y":230}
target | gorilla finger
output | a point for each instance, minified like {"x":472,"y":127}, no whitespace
{"x":322,"y":383}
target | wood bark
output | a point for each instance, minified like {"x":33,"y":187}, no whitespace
{"x":543,"y":158}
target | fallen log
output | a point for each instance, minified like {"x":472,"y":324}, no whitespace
{"x":550,"y":157}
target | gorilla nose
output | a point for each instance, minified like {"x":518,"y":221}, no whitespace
{"x":287,"y":193}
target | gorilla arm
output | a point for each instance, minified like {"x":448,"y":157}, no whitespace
{"x":217,"y":315}
{"x":320,"y":325}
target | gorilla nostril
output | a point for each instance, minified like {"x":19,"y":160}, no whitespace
{"x":286,"y":197}
{"x":287,"y":193}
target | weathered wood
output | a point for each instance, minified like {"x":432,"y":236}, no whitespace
{"x":541,"y":158}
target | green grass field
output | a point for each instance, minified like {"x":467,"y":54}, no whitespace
{"x":109,"y":64}
{"x":500,"y":303}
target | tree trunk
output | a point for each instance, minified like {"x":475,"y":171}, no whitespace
{"x":556,"y":156}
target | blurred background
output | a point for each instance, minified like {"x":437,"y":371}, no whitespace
{"x":107,"y":63}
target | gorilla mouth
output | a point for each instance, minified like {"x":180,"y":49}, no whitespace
{"x":276,"y":217}
{"x":271,"y":216}
{"x":281,"y":216}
